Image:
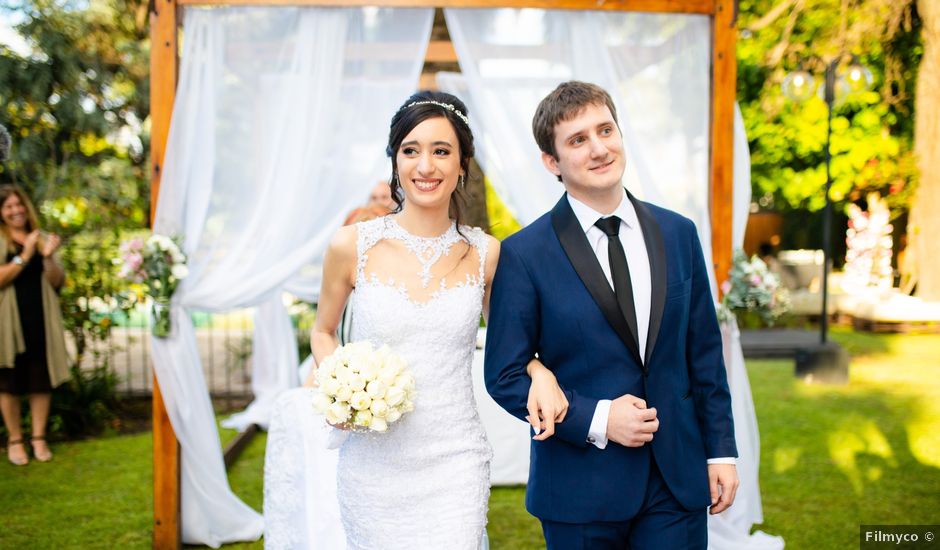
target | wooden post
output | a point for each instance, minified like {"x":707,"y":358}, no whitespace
{"x":724,"y":89}
{"x":166,"y":451}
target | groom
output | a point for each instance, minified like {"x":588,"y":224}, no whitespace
{"x":612,"y":295}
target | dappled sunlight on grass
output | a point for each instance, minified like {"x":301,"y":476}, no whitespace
{"x":786,"y":458}
{"x":839,"y":456}
{"x":908,"y":366}
{"x":859,"y":436}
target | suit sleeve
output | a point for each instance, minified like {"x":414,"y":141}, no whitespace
{"x":512,"y":339}
{"x":706,"y":362}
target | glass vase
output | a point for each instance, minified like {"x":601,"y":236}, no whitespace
{"x":160,"y":317}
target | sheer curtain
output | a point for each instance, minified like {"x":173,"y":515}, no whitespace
{"x":656,"y":67}
{"x":278,"y":130}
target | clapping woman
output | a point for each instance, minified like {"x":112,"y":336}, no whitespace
{"x":32,"y":345}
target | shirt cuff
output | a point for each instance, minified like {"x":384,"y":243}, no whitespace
{"x":597,"y":433}
{"x":722,"y":460}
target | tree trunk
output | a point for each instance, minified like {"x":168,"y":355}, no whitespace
{"x":924,"y":227}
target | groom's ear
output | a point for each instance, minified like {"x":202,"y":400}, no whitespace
{"x":551,"y":164}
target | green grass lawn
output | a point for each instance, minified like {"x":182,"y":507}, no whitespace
{"x":832,"y":457}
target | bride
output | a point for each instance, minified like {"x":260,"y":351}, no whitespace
{"x":418,"y":281}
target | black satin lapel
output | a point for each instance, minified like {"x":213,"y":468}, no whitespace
{"x":656,"y":249}
{"x":585,"y":263}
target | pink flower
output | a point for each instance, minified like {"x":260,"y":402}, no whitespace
{"x":134,"y":261}
{"x":132,"y":245}
{"x":726,"y":287}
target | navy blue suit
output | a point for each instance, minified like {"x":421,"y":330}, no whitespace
{"x":551,"y":298}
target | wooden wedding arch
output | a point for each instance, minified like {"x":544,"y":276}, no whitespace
{"x":164,"y":69}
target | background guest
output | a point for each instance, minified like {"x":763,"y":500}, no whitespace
{"x":33,"y":359}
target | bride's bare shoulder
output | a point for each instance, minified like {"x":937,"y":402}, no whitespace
{"x":343,"y":243}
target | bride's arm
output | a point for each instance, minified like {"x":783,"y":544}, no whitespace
{"x":547,"y":403}
{"x":492,"y":258}
{"x":339,"y":272}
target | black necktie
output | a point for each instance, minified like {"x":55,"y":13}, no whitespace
{"x":619,"y":271}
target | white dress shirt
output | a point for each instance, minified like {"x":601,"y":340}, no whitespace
{"x":634,"y":247}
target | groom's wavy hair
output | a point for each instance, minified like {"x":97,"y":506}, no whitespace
{"x":413,"y":112}
{"x":565,"y":102}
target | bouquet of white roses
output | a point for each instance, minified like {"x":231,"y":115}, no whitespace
{"x":159,"y":265}
{"x":364,"y":388}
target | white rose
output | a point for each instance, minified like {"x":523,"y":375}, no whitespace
{"x":394,"y":396}
{"x":358,"y":348}
{"x":396,"y":364}
{"x":379,"y":408}
{"x":387,"y":375}
{"x":344,"y":393}
{"x":376,"y":389}
{"x":360,"y":401}
{"x":362,"y":418}
{"x":321,"y":402}
{"x":405,"y":381}
{"x":325,"y":370}
{"x":179,"y":271}
{"x":407,"y":406}
{"x":357,"y":382}
{"x":393,"y":415}
{"x":368,"y":368}
{"x":378,"y":424}
{"x":338,"y":413}
{"x":329,"y":385}
{"x":343,"y":374}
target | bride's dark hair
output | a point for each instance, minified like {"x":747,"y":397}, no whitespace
{"x":415,"y":110}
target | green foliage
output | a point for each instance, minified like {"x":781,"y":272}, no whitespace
{"x":76,"y":106}
{"x":502,"y":222}
{"x":872,"y":132}
{"x":85,"y":404}
{"x":90,"y":291}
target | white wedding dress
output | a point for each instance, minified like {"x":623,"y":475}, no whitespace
{"x":424,"y":483}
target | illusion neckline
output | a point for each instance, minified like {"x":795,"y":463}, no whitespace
{"x":451,"y":230}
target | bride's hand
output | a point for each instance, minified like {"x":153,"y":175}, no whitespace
{"x":547,"y":403}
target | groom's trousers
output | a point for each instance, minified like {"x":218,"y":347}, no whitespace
{"x":661,"y":524}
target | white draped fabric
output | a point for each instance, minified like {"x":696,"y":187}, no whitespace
{"x":273,"y":363}
{"x":656,"y":67}
{"x":274,"y":138}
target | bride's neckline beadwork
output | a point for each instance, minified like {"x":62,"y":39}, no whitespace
{"x":428,"y":250}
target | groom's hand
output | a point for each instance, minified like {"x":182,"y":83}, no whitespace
{"x":630,"y":423}
{"x":723,"y":484}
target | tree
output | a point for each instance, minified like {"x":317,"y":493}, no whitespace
{"x":872,"y":140}
{"x":924,"y":247}
{"x":76,"y":105}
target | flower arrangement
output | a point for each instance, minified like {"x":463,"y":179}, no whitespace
{"x":159,"y":265}
{"x":752,"y":289}
{"x":363,"y":388}
{"x":869,"y":246}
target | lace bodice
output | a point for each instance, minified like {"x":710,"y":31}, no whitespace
{"x":424,"y":483}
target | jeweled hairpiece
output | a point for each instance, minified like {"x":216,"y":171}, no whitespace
{"x":447,"y":106}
